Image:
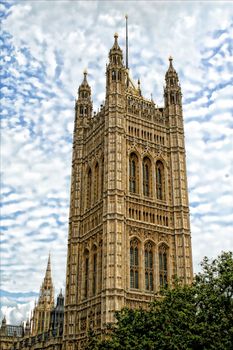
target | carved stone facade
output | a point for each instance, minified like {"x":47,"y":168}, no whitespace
{"x":129,"y":230}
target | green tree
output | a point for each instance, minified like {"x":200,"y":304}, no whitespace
{"x":195,"y":317}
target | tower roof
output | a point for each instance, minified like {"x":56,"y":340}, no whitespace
{"x":84,"y":85}
{"x":171,"y":70}
{"x":115,"y":48}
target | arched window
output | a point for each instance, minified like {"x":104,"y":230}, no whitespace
{"x":133,"y":173}
{"x":89,"y":175}
{"x":160,"y":180}
{"x":146,"y":167}
{"x":96,"y":183}
{"x":163,"y":253}
{"x":149,"y":278}
{"x":86,"y":273}
{"x":102,"y":177}
{"x":94,"y":271}
{"x":134,"y":264}
{"x":100,"y":271}
{"x":113,"y":75}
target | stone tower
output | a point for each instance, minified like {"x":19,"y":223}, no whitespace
{"x":129,"y":231}
{"x":40,"y":321}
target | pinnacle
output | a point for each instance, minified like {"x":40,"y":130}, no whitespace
{"x":115,"y":45}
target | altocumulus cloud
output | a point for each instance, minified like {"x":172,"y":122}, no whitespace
{"x":43,"y":54}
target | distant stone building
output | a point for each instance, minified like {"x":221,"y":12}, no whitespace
{"x":45,"y":328}
{"x":129,"y":229}
{"x":9,"y":334}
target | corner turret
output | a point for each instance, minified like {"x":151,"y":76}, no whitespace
{"x":115,"y":69}
{"x":172,"y":90}
{"x":83,"y":104}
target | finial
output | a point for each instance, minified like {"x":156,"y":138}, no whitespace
{"x":116,"y":37}
{"x":170,"y":59}
{"x":126,"y":16}
{"x":85,"y":74}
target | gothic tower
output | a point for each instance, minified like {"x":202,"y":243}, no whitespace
{"x":129,"y":232}
{"x":40,"y":321}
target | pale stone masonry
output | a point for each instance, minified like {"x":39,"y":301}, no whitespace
{"x":129,"y":230}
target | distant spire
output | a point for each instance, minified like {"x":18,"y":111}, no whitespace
{"x":139,"y":86}
{"x":127,"y":48}
{"x":48,"y":270}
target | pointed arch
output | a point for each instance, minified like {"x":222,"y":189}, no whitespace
{"x":149,"y":265}
{"x":134,"y":263}
{"x":114,"y":74}
{"x":94,"y":270}
{"x":160,"y":180}
{"x":102,"y":176}
{"x":163,"y":265}
{"x":86,"y":272}
{"x":133,"y":173}
{"x":96,"y":182}
{"x":146,"y":171}
{"x":89,"y":188}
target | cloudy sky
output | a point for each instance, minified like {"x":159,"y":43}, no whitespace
{"x":45,"y":46}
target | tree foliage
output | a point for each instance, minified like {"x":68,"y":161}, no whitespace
{"x":195,"y":317}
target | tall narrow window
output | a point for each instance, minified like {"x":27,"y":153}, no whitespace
{"x":134,"y":264}
{"x":94,"y":277}
{"x":100,"y":266}
{"x":113,"y":75}
{"x":133,"y":173}
{"x":96,"y":190}
{"x":160,"y":180}
{"x":102,"y":177}
{"x":146,"y":176}
{"x":86,"y":273}
{"x":163,"y":266}
{"x":149,"y":279}
{"x":89,"y":175}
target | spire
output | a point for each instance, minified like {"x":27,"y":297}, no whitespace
{"x":48,"y":270}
